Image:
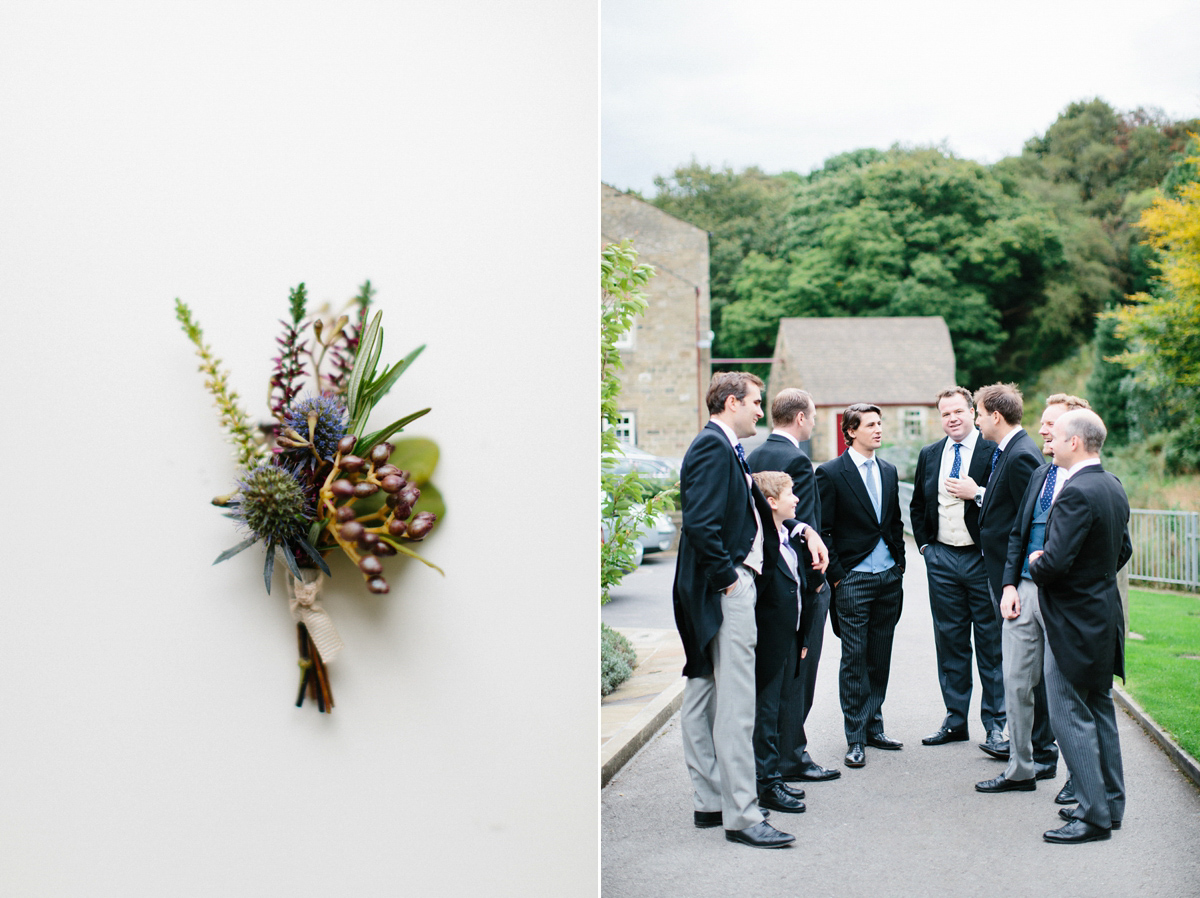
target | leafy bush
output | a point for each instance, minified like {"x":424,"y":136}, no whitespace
{"x":617,"y":658}
{"x":629,"y":500}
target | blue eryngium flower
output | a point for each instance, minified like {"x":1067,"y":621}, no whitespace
{"x":331,"y":423}
{"x":272,"y":504}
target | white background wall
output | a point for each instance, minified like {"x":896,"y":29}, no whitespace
{"x":223,"y":152}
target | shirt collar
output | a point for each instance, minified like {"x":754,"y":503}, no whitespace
{"x":857,"y":457}
{"x":968,"y":442}
{"x":727,"y":430}
{"x":1010,"y":436}
{"x":1080,"y":465}
{"x":783,"y":433}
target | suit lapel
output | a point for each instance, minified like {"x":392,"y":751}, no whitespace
{"x":935,"y":469}
{"x":741,"y":478}
{"x":855,"y":482}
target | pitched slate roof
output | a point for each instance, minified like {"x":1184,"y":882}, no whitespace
{"x":885,"y":361}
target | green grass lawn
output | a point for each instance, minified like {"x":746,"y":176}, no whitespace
{"x":1164,"y":668}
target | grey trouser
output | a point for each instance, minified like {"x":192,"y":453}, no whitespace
{"x":717,"y":718}
{"x":1024,"y":639}
{"x":1086,"y":725}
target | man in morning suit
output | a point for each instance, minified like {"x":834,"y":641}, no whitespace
{"x":783,"y":621}
{"x":1087,"y":541}
{"x":721,"y":552}
{"x":861,"y":525}
{"x":946,"y":530}
{"x":1000,"y":409}
{"x":1031,"y":739}
{"x":793,"y":416}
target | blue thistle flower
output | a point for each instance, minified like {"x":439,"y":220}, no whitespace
{"x":273,"y":505}
{"x":331,"y":423}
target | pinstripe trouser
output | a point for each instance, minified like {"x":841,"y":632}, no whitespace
{"x":1085,"y":723}
{"x":868,"y":606}
{"x":717,"y":717}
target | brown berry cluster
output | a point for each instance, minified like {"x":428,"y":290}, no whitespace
{"x":372,"y":530}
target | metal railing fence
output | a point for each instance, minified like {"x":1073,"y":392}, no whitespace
{"x":1166,"y":547}
{"x":1166,"y":544}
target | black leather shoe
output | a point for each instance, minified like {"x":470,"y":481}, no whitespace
{"x":946,"y":734}
{"x":777,"y":798}
{"x":1044,"y":771}
{"x":996,"y":745}
{"x":1077,"y":831}
{"x":1068,"y":814}
{"x":815,"y":773}
{"x":795,"y":793}
{"x":706,"y":819}
{"x":882,"y":741}
{"x":760,"y":835}
{"x":855,"y":757}
{"x":1002,"y":784}
{"x":1067,"y":794}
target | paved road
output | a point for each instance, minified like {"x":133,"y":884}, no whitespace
{"x":910,"y":822}
{"x":643,"y":597}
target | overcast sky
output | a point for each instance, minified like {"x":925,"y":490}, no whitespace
{"x":784,"y":84}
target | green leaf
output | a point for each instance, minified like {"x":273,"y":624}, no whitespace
{"x":361,"y":360}
{"x":269,"y":567}
{"x":417,"y":455}
{"x":379,"y":388}
{"x":378,"y":436}
{"x":411,"y":554}
{"x":229,"y":553}
{"x":431,"y":500}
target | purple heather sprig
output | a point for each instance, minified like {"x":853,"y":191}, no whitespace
{"x":289,"y":373}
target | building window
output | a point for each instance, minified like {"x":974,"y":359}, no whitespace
{"x":625,"y":341}
{"x":626,"y":429}
{"x":914,"y":422}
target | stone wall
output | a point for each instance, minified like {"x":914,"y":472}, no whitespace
{"x":666,"y":372}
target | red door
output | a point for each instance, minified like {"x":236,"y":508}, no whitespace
{"x":841,"y":437}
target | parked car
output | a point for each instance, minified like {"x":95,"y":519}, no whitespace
{"x":662,"y":473}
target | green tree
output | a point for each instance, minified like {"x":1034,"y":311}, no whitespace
{"x":1163,"y":326}
{"x":1106,"y":387}
{"x":917,"y":232}
{"x":628,"y":501}
{"x":743,"y":212}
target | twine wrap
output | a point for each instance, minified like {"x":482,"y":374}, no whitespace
{"x":303,"y":604}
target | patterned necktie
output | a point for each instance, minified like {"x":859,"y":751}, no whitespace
{"x":995,"y":456}
{"x":871,"y":490}
{"x":1048,"y":489}
{"x":741,"y":454}
{"x":956,"y":468}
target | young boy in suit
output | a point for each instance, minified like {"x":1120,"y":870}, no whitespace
{"x":783,"y":618}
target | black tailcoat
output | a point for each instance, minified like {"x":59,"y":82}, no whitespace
{"x":1087,"y":541}
{"x":717,"y":534}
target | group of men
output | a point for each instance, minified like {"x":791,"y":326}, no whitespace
{"x":1021,"y":558}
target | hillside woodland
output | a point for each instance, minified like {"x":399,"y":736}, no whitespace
{"x":1086,"y":246}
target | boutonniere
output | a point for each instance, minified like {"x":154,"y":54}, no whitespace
{"x":315,"y":479}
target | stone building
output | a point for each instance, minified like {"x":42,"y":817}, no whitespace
{"x":667,"y":354}
{"x":898,"y":364}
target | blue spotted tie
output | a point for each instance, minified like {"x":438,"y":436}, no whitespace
{"x":1048,"y":489}
{"x":995,"y":457}
{"x":741,"y":454}
{"x":956,"y":468}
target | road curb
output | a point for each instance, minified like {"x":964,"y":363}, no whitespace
{"x":625,"y":744}
{"x":1185,"y":762}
